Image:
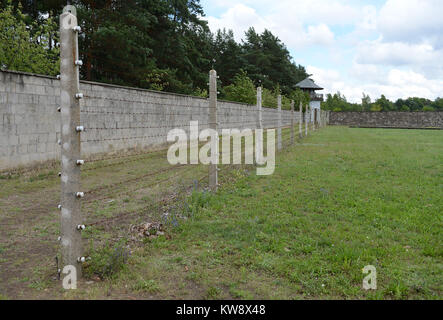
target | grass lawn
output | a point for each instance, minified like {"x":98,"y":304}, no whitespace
{"x":339,"y":200}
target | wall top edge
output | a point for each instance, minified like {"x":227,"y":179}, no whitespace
{"x":29,"y":74}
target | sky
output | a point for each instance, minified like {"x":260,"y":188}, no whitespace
{"x":390,"y":47}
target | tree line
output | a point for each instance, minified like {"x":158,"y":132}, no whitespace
{"x":338,"y":102}
{"x":165,"y":45}
{"x":154,"y":44}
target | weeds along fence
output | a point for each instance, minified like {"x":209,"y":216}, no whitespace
{"x":115,"y":178}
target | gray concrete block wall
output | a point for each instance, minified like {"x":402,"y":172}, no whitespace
{"x":30,"y":123}
{"x":115,"y":118}
{"x":388,"y":119}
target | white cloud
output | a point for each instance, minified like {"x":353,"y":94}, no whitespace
{"x":320,"y":35}
{"x":405,"y":59}
{"x":333,"y":81}
{"x":328,"y":12}
{"x":375,"y":81}
{"x":396,"y":53}
{"x":239,"y":18}
{"x":369,"y":21}
{"x":297,"y":23}
{"x":412,"y":21}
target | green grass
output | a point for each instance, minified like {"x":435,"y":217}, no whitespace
{"x":345,"y":199}
{"x":342,"y":199}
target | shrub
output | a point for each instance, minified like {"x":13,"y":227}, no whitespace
{"x":241,"y":90}
{"x":107,"y":261}
{"x":428,"y":108}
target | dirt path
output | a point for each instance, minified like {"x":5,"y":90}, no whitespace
{"x":122,"y":194}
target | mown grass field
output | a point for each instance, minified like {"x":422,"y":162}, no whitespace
{"x":339,"y":200}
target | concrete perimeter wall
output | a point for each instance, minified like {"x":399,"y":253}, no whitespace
{"x":388,"y":119}
{"x":115,"y":118}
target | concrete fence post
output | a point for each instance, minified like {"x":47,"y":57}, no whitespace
{"x":213,"y":170}
{"x":310,"y":118}
{"x":70,"y":95}
{"x":279,"y":140}
{"x":314,"y":125}
{"x":300,"y":121}
{"x":292,"y":122}
{"x":306,"y":119}
{"x":259,"y":108}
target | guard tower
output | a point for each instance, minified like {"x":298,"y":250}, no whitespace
{"x":308,"y":85}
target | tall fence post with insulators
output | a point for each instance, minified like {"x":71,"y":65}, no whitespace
{"x":292,"y":122}
{"x":310,"y":118}
{"x":300,"y":121}
{"x":279,"y":141}
{"x":213,"y":171}
{"x":259,"y":108}
{"x":70,"y":95}
{"x":314,"y":124}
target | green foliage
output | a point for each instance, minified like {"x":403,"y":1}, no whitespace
{"x":375,"y":108}
{"x":438,"y":104}
{"x":366,"y":102}
{"x":271,"y":238}
{"x":384,"y":104}
{"x":202,"y":93}
{"x":213,"y":293}
{"x":196,"y":202}
{"x":143,"y":285}
{"x":160,"y":45}
{"x":285,"y":103}
{"x":428,"y":108}
{"x":338,"y":102}
{"x":269,"y":98}
{"x":241,"y":90}
{"x":156,"y":80}
{"x":300,"y":97}
{"x":166,"y":46}
{"x":267,"y":61}
{"x":27,"y":47}
{"x":228,"y":56}
{"x":107,"y":261}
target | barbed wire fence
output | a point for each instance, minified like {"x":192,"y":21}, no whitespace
{"x":137,"y":185}
{"x":106,"y":194}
